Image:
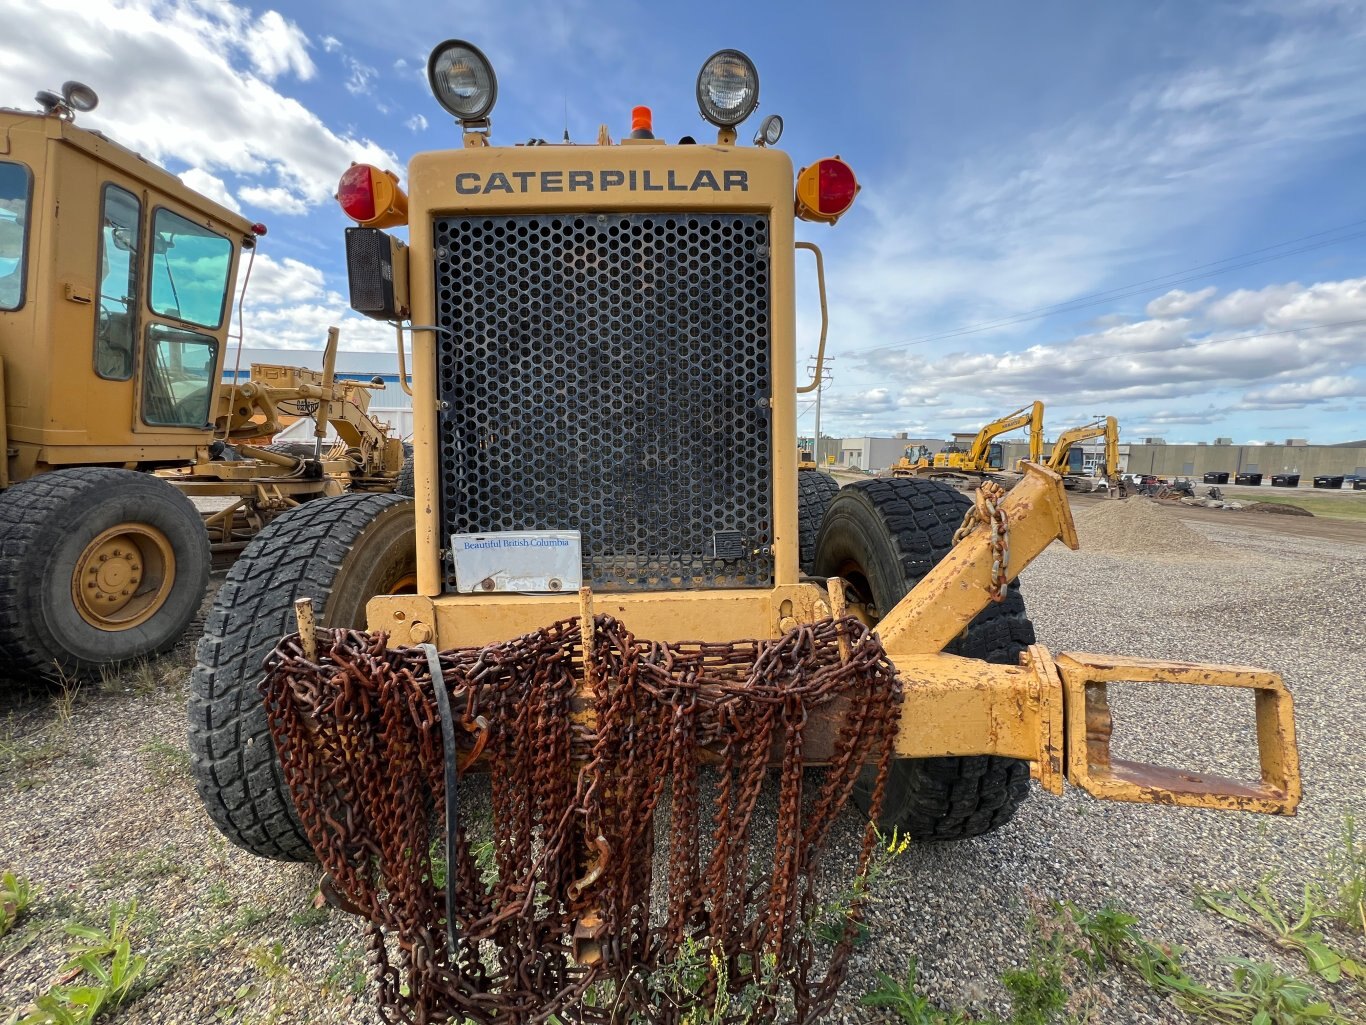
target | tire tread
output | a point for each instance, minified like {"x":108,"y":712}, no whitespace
{"x":232,"y":756}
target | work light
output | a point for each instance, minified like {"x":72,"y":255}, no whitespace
{"x":727,"y":88}
{"x":462,"y":80}
{"x":770,"y":131}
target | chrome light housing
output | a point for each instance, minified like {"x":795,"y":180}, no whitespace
{"x":727,"y":88}
{"x":462,"y":80}
{"x":770,"y":131}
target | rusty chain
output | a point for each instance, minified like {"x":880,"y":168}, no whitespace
{"x":573,"y":923}
{"x":987,"y":508}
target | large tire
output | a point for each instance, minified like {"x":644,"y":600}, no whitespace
{"x":97,"y":566}
{"x":883,"y":536}
{"x":815,"y":491}
{"x":338,"y":551}
{"x":404,"y":483}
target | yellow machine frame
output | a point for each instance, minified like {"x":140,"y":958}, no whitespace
{"x":1048,"y":710}
{"x":58,"y":410}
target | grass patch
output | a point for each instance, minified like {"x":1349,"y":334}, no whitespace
{"x":169,"y":763}
{"x":1072,"y":950}
{"x":1330,"y":508}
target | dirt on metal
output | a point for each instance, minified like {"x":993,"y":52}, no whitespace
{"x":567,"y":906}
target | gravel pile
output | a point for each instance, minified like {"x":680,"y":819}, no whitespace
{"x":101,"y":808}
{"x":1144,"y":528}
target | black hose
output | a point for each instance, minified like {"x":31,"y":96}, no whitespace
{"x":443,"y":704}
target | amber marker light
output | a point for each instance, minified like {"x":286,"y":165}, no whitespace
{"x":825,"y":190}
{"x":371,"y":197}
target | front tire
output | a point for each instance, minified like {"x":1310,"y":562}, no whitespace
{"x":98,"y":566}
{"x":338,"y":551}
{"x":883,"y":536}
{"x":815,"y":492}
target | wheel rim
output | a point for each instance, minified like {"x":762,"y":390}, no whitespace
{"x":406,"y":584}
{"x":123,"y":577}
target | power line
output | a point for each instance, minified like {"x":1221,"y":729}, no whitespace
{"x":1236,"y":262}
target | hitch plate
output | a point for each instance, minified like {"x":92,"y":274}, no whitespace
{"x":1089,"y":725}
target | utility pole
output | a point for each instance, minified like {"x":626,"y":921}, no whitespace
{"x":820,"y":387}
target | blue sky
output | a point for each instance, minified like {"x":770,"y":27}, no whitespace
{"x":1088,"y":204}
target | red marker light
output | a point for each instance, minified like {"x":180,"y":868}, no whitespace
{"x":258,"y":229}
{"x":371,"y":197}
{"x":356,"y":193}
{"x":825,"y":190}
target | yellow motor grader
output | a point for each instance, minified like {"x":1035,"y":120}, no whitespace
{"x":115,"y":287}
{"x":621,"y":630}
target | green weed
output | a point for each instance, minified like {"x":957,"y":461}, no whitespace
{"x":900,"y":997}
{"x":102,"y":969}
{"x":1260,"y":911}
{"x":347,"y":974}
{"x":16,"y":894}
{"x":311,"y":918}
{"x":1341,"y":886}
{"x":844,"y":912}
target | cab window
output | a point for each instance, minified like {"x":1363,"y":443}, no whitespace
{"x":189,"y":271}
{"x":14,"y":196}
{"x":120,"y":241}
{"x":178,"y":383}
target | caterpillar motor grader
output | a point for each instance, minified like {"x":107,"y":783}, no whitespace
{"x":982,"y":458}
{"x":113,"y":342}
{"x":560,"y":603}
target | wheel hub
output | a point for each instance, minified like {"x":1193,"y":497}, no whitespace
{"x":123,"y":577}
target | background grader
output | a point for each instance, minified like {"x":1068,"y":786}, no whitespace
{"x":576,"y":309}
{"x":113,"y":330}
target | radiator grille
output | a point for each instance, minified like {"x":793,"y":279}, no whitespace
{"x":610,"y":373}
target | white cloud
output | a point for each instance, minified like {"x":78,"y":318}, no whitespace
{"x":1293,"y":396}
{"x":1176,"y":302}
{"x":331,"y":44}
{"x":278,"y":282}
{"x":209,"y":185}
{"x":1246,"y":306}
{"x":276,"y":46}
{"x":274,"y":198}
{"x":231,"y":119}
{"x":1299,"y":353}
{"x":416,"y":123}
{"x":361,"y":77}
{"x":1060,"y":214}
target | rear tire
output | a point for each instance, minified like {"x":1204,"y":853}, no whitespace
{"x":883,"y":536}
{"x":815,"y":492}
{"x":338,"y":551}
{"x":404,"y":483}
{"x":97,"y":566}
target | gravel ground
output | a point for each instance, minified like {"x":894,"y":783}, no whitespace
{"x":100,"y":808}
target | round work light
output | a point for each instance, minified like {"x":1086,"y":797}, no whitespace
{"x":462,"y":80}
{"x":727,"y":88}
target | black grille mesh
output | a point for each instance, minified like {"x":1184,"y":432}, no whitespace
{"x":610,"y":374}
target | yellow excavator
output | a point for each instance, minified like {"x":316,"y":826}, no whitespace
{"x":984,"y":456}
{"x":1065,"y":460}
